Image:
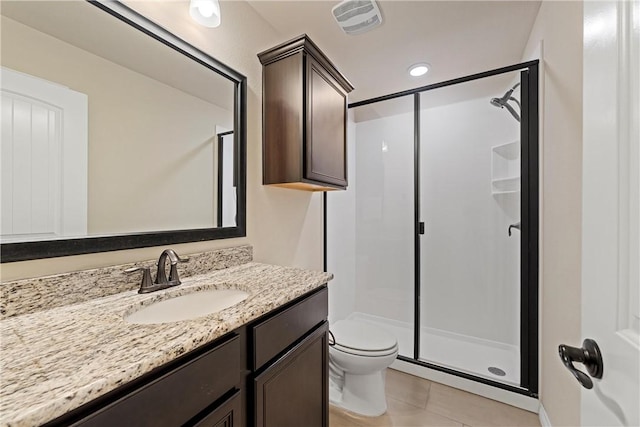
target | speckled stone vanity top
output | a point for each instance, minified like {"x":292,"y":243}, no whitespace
{"x":57,"y":359}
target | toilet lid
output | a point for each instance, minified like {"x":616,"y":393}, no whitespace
{"x":353,"y":336}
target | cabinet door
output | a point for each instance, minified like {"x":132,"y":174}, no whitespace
{"x":228,"y":414}
{"x":326,"y":120}
{"x":293,"y":392}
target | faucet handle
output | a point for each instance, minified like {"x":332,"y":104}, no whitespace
{"x":173,"y":271}
{"x":146,"y":283}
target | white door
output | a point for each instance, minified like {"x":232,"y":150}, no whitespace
{"x":44,"y":159}
{"x":611,"y":191}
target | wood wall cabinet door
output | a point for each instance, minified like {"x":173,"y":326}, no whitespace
{"x":326,"y":142}
{"x":293,"y":391}
{"x":304,"y":118}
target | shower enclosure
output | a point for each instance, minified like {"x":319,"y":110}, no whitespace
{"x":436,"y":237}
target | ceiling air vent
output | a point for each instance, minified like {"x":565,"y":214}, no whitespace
{"x":357,"y":16}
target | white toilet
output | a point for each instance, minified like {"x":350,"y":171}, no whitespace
{"x":359,"y":353}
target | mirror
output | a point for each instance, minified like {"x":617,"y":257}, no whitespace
{"x":115,"y":134}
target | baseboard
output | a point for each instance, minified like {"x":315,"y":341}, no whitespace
{"x":544,"y":418}
{"x":521,"y":401}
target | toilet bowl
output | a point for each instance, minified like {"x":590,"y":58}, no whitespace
{"x":359,"y":353}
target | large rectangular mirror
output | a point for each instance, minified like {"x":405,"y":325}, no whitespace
{"x":115,"y":134}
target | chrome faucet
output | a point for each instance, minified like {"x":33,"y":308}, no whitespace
{"x":161,"y":281}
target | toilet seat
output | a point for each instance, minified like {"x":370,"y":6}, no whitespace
{"x":362,"y":339}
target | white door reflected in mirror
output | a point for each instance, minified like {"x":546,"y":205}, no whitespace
{"x":44,"y":159}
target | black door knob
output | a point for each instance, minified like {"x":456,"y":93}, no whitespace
{"x":589,"y":355}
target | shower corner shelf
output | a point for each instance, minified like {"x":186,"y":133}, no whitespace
{"x":505,"y":185}
{"x":510,"y":150}
{"x":505,"y":192}
{"x":505,"y":168}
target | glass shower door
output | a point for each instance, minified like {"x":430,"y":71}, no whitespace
{"x":469,"y":179}
{"x":384,"y":217}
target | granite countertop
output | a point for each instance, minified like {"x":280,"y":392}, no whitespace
{"x":58,"y":359}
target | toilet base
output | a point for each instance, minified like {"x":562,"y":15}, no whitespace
{"x":362,"y":394}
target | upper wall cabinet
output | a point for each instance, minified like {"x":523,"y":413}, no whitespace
{"x":304,"y":118}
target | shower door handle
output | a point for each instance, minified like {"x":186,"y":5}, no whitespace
{"x":516,"y":226}
{"x":589,"y":355}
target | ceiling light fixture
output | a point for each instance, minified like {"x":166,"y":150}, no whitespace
{"x":205,"y":12}
{"x":420,"y":69}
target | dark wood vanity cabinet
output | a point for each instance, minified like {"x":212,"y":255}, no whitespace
{"x":290,"y":383}
{"x":201,"y":388}
{"x":304,"y":118}
{"x":227,"y":414}
{"x":272,"y":372}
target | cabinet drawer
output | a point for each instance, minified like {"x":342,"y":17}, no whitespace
{"x":275,"y":334}
{"x":293,"y":392}
{"x":173,"y":399}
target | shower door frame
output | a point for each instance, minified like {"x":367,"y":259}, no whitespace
{"x":529,"y":134}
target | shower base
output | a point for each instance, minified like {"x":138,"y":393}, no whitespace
{"x":459,"y":352}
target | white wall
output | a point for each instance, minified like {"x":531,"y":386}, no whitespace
{"x":284,"y":226}
{"x":470,"y":266}
{"x":559,"y":27}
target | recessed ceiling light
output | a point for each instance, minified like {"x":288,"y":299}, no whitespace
{"x":205,"y":12}
{"x":420,"y":69}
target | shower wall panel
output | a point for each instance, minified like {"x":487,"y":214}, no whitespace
{"x":470,"y":283}
{"x":341,"y":237}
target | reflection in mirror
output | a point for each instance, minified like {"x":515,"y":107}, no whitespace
{"x":107,"y":131}
{"x":227,"y":180}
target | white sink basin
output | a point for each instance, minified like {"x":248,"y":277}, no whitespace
{"x":185,"y":307}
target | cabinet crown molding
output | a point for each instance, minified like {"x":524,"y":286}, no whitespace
{"x":303,"y":43}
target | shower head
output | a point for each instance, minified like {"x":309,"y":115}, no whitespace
{"x":499,"y":102}
{"x":504,"y":102}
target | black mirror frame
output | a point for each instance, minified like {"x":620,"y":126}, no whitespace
{"x":23,"y":251}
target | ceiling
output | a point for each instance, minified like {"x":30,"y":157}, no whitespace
{"x":457,"y":38}
{"x":87,"y":27}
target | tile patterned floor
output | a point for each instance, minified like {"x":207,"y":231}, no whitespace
{"x":413,"y":401}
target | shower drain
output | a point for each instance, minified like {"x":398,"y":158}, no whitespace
{"x":497,"y":371}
